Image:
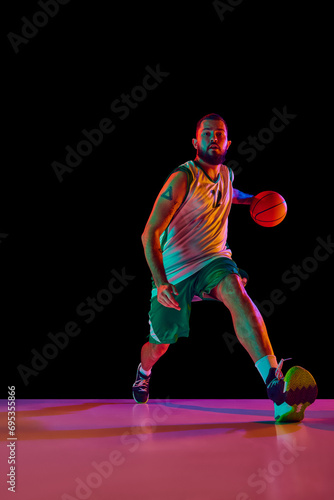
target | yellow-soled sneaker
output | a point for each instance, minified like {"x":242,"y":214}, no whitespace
{"x":292,"y":394}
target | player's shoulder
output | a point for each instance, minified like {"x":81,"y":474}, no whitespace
{"x":228,"y":170}
{"x":184,"y":172}
{"x":188,"y":166}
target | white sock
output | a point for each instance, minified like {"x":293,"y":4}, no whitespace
{"x":144,"y":372}
{"x":264,"y":364}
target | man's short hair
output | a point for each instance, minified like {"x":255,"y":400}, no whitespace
{"x":211,"y":116}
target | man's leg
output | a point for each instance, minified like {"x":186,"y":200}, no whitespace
{"x":291,"y":394}
{"x":247,"y":320}
{"x":150,"y":353}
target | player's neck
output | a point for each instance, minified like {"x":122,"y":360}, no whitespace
{"x":211,"y":170}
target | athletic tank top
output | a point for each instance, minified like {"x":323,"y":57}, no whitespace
{"x":197,"y":233}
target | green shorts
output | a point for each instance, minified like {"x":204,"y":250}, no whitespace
{"x":168,"y":324}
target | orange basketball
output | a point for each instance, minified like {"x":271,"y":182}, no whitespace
{"x":268,"y":208}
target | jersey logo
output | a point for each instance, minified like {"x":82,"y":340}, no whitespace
{"x":216,"y":202}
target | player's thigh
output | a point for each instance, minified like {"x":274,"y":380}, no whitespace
{"x":230,"y":290}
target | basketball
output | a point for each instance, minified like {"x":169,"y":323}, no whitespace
{"x":268,"y":208}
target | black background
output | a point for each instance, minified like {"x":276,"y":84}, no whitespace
{"x":64,"y":238}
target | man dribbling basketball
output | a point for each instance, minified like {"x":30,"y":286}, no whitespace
{"x":185,"y":244}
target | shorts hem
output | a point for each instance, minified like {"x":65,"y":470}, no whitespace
{"x":200,"y":294}
{"x":166,"y":341}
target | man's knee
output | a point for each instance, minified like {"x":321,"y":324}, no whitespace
{"x":231,"y":290}
{"x":159,"y":349}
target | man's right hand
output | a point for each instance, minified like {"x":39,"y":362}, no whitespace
{"x":166,"y":292}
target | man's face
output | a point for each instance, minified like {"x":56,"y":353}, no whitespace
{"x":211,"y":142}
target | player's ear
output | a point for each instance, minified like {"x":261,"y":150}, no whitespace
{"x":228,"y":144}
{"x":194,"y":143}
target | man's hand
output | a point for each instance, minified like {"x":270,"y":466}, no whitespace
{"x":244,"y":276}
{"x":244,"y":281}
{"x":241,"y":198}
{"x":165,"y":295}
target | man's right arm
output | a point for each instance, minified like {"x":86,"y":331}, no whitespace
{"x":167,"y":203}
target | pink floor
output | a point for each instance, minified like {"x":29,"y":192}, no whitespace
{"x":168,"y":449}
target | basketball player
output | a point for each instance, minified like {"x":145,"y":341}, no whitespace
{"x":185,"y":245}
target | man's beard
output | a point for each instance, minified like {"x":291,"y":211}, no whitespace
{"x":212,"y":158}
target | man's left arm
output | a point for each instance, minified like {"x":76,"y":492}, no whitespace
{"x":241,"y":198}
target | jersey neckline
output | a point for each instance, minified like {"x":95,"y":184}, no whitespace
{"x":199,"y":166}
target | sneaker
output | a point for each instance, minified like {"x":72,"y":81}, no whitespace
{"x":141,"y":387}
{"x":291,"y":394}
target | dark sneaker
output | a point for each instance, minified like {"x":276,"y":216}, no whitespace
{"x":291,"y":394}
{"x":141,"y":387}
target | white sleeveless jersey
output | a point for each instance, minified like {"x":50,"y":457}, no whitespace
{"x":197,"y":233}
